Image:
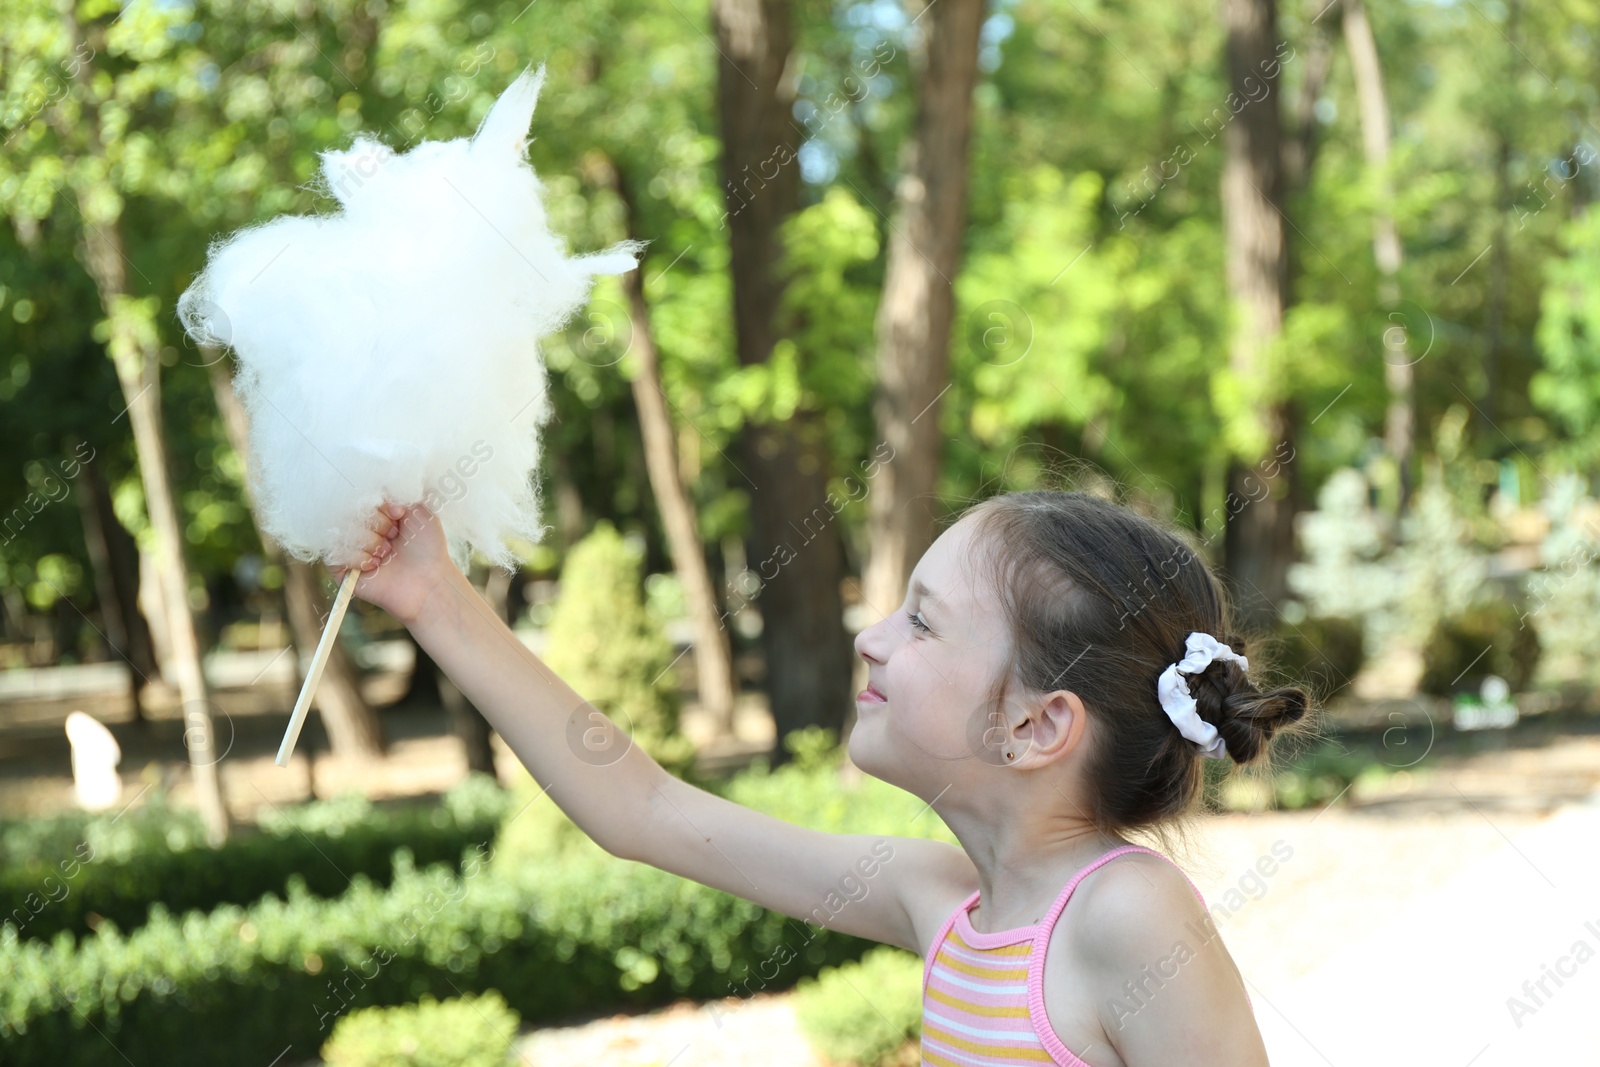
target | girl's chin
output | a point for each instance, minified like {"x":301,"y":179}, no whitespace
{"x":867,"y":753}
{"x":862,"y":751}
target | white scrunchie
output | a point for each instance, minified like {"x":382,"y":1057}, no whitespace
{"x":1180,"y":705}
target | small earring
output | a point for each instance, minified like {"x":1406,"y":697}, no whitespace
{"x":1010,"y":755}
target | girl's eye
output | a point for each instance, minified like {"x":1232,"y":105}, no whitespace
{"x":916,"y":620}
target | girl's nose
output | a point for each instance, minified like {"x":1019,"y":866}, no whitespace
{"x":866,"y":643}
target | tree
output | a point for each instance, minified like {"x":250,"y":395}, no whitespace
{"x":784,"y":464}
{"x":134,"y":350}
{"x":718,"y":687}
{"x":914,"y":316}
{"x":116,"y":571}
{"x":1259,"y":540}
{"x":1400,"y":419}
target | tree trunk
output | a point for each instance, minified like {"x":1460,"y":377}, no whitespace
{"x":354,"y":731}
{"x":1300,"y":149}
{"x":137,"y":362}
{"x":713,"y":657}
{"x":785,"y":465}
{"x":116,"y":573}
{"x":136,"y":355}
{"x":914,"y":313}
{"x":1373,"y":103}
{"x":1259,"y":540}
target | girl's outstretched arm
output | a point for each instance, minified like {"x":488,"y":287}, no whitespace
{"x":888,"y":889}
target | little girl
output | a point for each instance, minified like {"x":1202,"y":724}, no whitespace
{"x":1058,"y":670}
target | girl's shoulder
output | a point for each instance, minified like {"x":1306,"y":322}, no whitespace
{"x":1118,"y":924}
{"x":1131,"y":906}
{"x":1139,"y":963}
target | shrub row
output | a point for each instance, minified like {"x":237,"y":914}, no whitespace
{"x":244,"y":985}
{"x":461,"y":1032}
{"x":542,"y":916}
{"x":1491,"y":638}
{"x":74,"y":872}
{"x":864,"y":1013}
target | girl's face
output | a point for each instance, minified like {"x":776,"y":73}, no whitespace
{"x":923,"y":723}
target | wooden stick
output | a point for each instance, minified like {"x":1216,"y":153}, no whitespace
{"x":330,"y":633}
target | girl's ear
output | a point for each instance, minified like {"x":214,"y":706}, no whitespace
{"x":1058,"y":725}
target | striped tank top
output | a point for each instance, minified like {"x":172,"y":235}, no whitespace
{"x":983,"y":994}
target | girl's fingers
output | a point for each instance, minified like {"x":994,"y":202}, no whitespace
{"x":379,"y":549}
{"x":385,"y":523}
{"x":381,"y":523}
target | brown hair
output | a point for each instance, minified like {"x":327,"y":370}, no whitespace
{"x":1100,"y":600}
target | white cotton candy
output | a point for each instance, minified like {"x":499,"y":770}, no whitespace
{"x":389,"y":352}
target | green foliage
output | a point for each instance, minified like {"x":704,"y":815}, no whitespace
{"x":470,"y":1031}
{"x":552,"y":939}
{"x":609,"y":648}
{"x":1322,"y":654}
{"x":1324,"y":774}
{"x":215,"y":987}
{"x":863,"y":1013}
{"x":1314,"y":778}
{"x":1127,"y":365}
{"x":1563,"y":594}
{"x":1486,"y":639}
{"x":544,"y":917}
{"x":1343,"y":542}
{"x":62,"y":873}
{"x":1397,"y":584}
{"x":1569,"y":337}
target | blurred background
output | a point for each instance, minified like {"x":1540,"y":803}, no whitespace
{"x":1318,"y":283}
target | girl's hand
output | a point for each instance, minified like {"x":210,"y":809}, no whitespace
{"x":406,"y":560}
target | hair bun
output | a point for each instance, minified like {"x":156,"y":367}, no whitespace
{"x":1244,"y":715}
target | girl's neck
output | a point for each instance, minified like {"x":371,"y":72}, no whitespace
{"x":1023,"y":864}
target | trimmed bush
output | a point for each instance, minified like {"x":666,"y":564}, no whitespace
{"x":606,"y":645}
{"x":863,"y":1013}
{"x":1487,"y":639}
{"x":544,"y":917}
{"x":1322,"y":654}
{"x":75,"y":871}
{"x":461,"y":1032}
{"x":221,"y":987}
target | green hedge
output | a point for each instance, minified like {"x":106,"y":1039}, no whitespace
{"x":238,"y":985}
{"x":64,"y":873}
{"x":549,"y":921}
{"x":1486,"y":639}
{"x":463,"y":1032}
{"x":864,"y":1013}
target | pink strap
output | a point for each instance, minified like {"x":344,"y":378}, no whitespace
{"x":1041,"y":942}
{"x":1050,"y":917}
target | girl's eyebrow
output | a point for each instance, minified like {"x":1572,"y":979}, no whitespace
{"x":922,"y":591}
